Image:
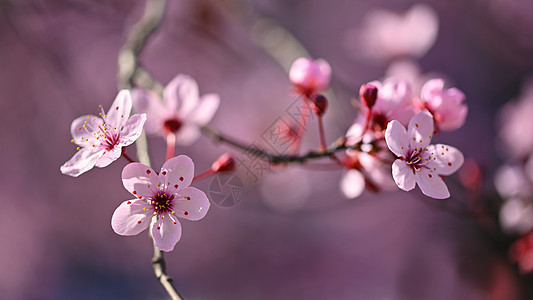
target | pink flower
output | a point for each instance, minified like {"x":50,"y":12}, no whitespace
{"x":182,"y":111}
{"x":166,"y":196}
{"x":419,"y":162}
{"x":446,"y":106}
{"x":100,"y":140}
{"x":310,"y":76}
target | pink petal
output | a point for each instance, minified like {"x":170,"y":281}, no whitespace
{"x":181,"y":94}
{"x":431,"y":89}
{"x":378,"y":172}
{"x":431,"y":184}
{"x":132,"y":129}
{"x":444,"y":159}
{"x":420,"y":130}
{"x":188,"y":134}
{"x":109,"y":157}
{"x":322,"y":81}
{"x":125,"y":219}
{"x":193,"y":201}
{"x":205,"y":110}
{"x":178,"y":171}
{"x":151,"y":104}
{"x":140,"y":180}
{"x":454,"y":120}
{"x":84,"y":136}
{"x":403,"y":175}
{"x":397,"y":139}
{"x":81,"y":162}
{"x":352,"y":184}
{"x":168,"y":234}
{"x":120,"y":109}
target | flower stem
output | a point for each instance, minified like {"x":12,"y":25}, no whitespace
{"x":321,"y":132}
{"x":367,"y":121}
{"x":127,"y":157}
{"x":171,"y":145}
{"x":203,"y":175}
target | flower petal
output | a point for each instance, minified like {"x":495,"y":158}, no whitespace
{"x":130,"y":217}
{"x":444,"y":159}
{"x":120,"y":110}
{"x":109,"y":157}
{"x":397,"y":139}
{"x":132,"y":129}
{"x":151,"y":104}
{"x":181,"y":94}
{"x":193,"y":201}
{"x":81,"y":162}
{"x":187,"y":134}
{"x":179,"y":171}
{"x":168,"y":234}
{"x":352,"y":184}
{"x":431,"y":184}
{"x":140,"y":180}
{"x":420,"y":130}
{"x":206,"y":109}
{"x":83,"y":130}
{"x":403,"y":175}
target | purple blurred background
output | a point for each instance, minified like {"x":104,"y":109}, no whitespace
{"x":58,"y":61}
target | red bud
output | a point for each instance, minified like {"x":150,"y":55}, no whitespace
{"x":368,"y":94}
{"x":225,"y":163}
{"x":320,"y":104}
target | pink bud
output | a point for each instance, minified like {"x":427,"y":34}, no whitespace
{"x":368,"y":94}
{"x":310,"y":75}
{"x":225,"y":163}
{"x":320,"y":104}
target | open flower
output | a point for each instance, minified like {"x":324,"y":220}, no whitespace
{"x":419,"y":162}
{"x":446,"y":106}
{"x":309,"y":75}
{"x":100,"y":139}
{"x":182,"y":111}
{"x":166,"y":196}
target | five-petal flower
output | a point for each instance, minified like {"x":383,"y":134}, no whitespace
{"x":100,"y":139}
{"x":166,"y":196}
{"x":419,"y":162}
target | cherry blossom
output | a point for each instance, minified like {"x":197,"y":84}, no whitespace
{"x":181,"y":112}
{"x":310,"y":76}
{"x":166,"y":196}
{"x":419,"y":162}
{"x":100,"y":139}
{"x":446,"y":106}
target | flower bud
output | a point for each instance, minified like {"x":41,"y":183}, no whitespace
{"x":310,"y":75}
{"x":368,"y":94}
{"x":320,"y":104}
{"x":225,"y":163}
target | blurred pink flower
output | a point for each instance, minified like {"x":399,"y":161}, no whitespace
{"x":101,"y":139}
{"x":521,"y":251}
{"x":182,"y":111}
{"x":166,"y":196}
{"x":310,"y":76}
{"x":446,"y":106}
{"x":385,"y":34}
{"x":419,"y":162}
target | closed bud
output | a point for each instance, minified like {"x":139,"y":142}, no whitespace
{"x":320,"y":104}
{"x":225,"y":163}
{"x":368,"y":94}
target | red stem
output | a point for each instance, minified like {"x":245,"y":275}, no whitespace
{"x":127,"y":157}
{"x":171,"y":145}
{"x":367,"y":121}
{"x":322,"y":134}
{"x":203,"y":175}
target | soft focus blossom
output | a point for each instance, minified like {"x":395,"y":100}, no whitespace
{"x":166,"y":196}
{"x":419,"y":162}
{"x":310,"y":76}
{"x":386,"y":34}
{"x":100,"y":139}
{"x":521,"y":252}
{"x":182,"y":111}
{"x":446,"y":105}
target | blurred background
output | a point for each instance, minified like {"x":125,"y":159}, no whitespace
{"x":292,"y":235}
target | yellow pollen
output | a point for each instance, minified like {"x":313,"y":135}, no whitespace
{"x":77,"y":148}
{"x":148,"y":185}
{"x":99,"y":106}
{"x":72,"y":141}
{"x":100,"y":114}
{"x":172,"y":212}
{"x":122,"y":116}
{"x":144,"y":208}
{"x":155,"y":213}
{"x":401,"y":147}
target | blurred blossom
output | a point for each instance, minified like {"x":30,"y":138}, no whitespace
{"x":419,"y":162}
{"x":386,"y":34}
{"x":287,"y":190}
{"x":101,"y":139}
{"x":409,"y":71}
{"x":446,"y":105}
{"x":309,"y":75}
{"x":516,"y":215}
{"x":166,"y":196}
{"x":522,"y":253}
{"x":182,"y":111}
{"x":511,"y":182}
{"x":515,"y":122}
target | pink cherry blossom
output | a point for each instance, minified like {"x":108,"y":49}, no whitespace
{"x":166,"y":197}
{"x":446,"y":106}
{"x":419,"y":162}
{"x":181,"y":112}
{"x":310,"y":76}
{"x":100,"y":139}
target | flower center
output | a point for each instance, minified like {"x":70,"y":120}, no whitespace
{"x":108,"y":138}
{"x":172,"y":125}
{"x":162,"y":202}
{"x":416,"y":159}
